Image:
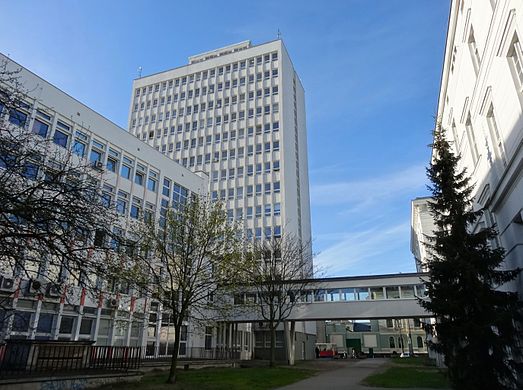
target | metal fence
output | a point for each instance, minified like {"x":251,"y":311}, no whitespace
{"x":34,"y":358}
{"x":197,"y":353}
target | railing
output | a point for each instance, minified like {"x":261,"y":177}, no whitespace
{"x":115,"y":358}
{"x":33,"y":358}
{"x":197,"y":354}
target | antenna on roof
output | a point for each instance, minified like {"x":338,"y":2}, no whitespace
{"x":279,"y":34}
{"x":139,"y":72}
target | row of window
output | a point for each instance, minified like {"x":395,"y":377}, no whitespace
{"x":351,"y":294}
{"x":202,"y":107}
{"x":208,"y":90}
{"x":207,"y":73}
{"x":218,"y":137}
{"x":268,"y":232}
{"x":231,"y":173}
{"x":62,"y":136}
{"x":257,"y":211}
{"x":268,"y":188}
{"x":232,"y":117}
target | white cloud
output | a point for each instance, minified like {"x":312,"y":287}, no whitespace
{"x":360,"y":194}
{"x":347,"y":255}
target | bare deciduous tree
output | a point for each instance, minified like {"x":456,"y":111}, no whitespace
{"x":52,"y":214}
{"x":281,"y":273}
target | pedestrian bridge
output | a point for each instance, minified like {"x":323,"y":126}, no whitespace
{"x":349,"y":298}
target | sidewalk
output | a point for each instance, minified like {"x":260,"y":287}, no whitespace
{"x":340,"y":375}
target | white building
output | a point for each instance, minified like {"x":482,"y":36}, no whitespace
{"x":136,"y":178}
{"x":481,"y":105}
{"x":421,"y":227}
{"x":238,"y":114}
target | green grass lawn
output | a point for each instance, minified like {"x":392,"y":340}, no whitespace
{"x":409,"y":372}
{"x":221,"y":378}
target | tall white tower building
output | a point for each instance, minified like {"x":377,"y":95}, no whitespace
{"x":238,"y":114}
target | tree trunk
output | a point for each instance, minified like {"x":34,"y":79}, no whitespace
{"x":174,"y":359}
{"x":272,"y":362}
{"x":289,"y":330}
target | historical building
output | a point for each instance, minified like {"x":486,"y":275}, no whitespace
{"x":481,"y":107}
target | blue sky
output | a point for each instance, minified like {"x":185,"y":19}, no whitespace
{"x":370,"y":68}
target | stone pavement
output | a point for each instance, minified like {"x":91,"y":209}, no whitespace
{"x":339,"y":375}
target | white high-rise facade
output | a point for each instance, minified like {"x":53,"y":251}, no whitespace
{"x":481,"y":107}
{"x":237,"y":114}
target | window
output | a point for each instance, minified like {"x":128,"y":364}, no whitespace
{"x":249,"y":190}
{"x":267,"y":188}
{"x":258,"y":189}
{"x":276,"y":187}
{"x":139,"y":178}
{"x":249,"y":212}
{"x":79,"y":148}
{"x":166,"y":187}
{"x":95,"y":157}
{"x":472,"y":140}
{"x":40,"y":128}
{"x":499,"y":148}
{"x":276,"y":146}
{"x":516,"y":54}
{"x":17,"y":118}
{"x":121,"y":204}
{"x":474,"y":53}
{"x":60,"y":138}
{"x":391,"y":339}
{"x":135,"y":210}
{"x":151,"y":184}
{"x":258,"y":211}
{"x":268,"y":232}
{"x":267,"y":210}
{"x":277,"y":208}
{"x":208,"y":337}
{"x":125,"y":171}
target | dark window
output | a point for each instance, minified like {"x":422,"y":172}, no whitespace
{"x":45,"y":323}
{"x":40,"y":128}
{"x":86,"y":326}
{"x":17,"y":118}
{"x":21,"y":321}
{"x":60,"y":138}
{"x":66,"y":325}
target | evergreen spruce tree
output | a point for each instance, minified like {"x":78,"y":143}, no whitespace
{"x":476,"y":322}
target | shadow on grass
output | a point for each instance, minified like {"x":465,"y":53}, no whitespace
{"x":409,"y":375}
{"x":259,"y":378}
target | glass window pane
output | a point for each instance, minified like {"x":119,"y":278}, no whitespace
{"x":392,"y":292}
{"x":333,"y":295}
{"x":347,"y":294}
{"x":40,"y":128}
{"x":376,"y":293}
{"x":361,"y":294}
{"x":125,"y":171}
{"x":60,"y":138}
{"x":407,"y":291}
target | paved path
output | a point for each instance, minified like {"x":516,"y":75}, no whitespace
{"x":340,"y":375}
